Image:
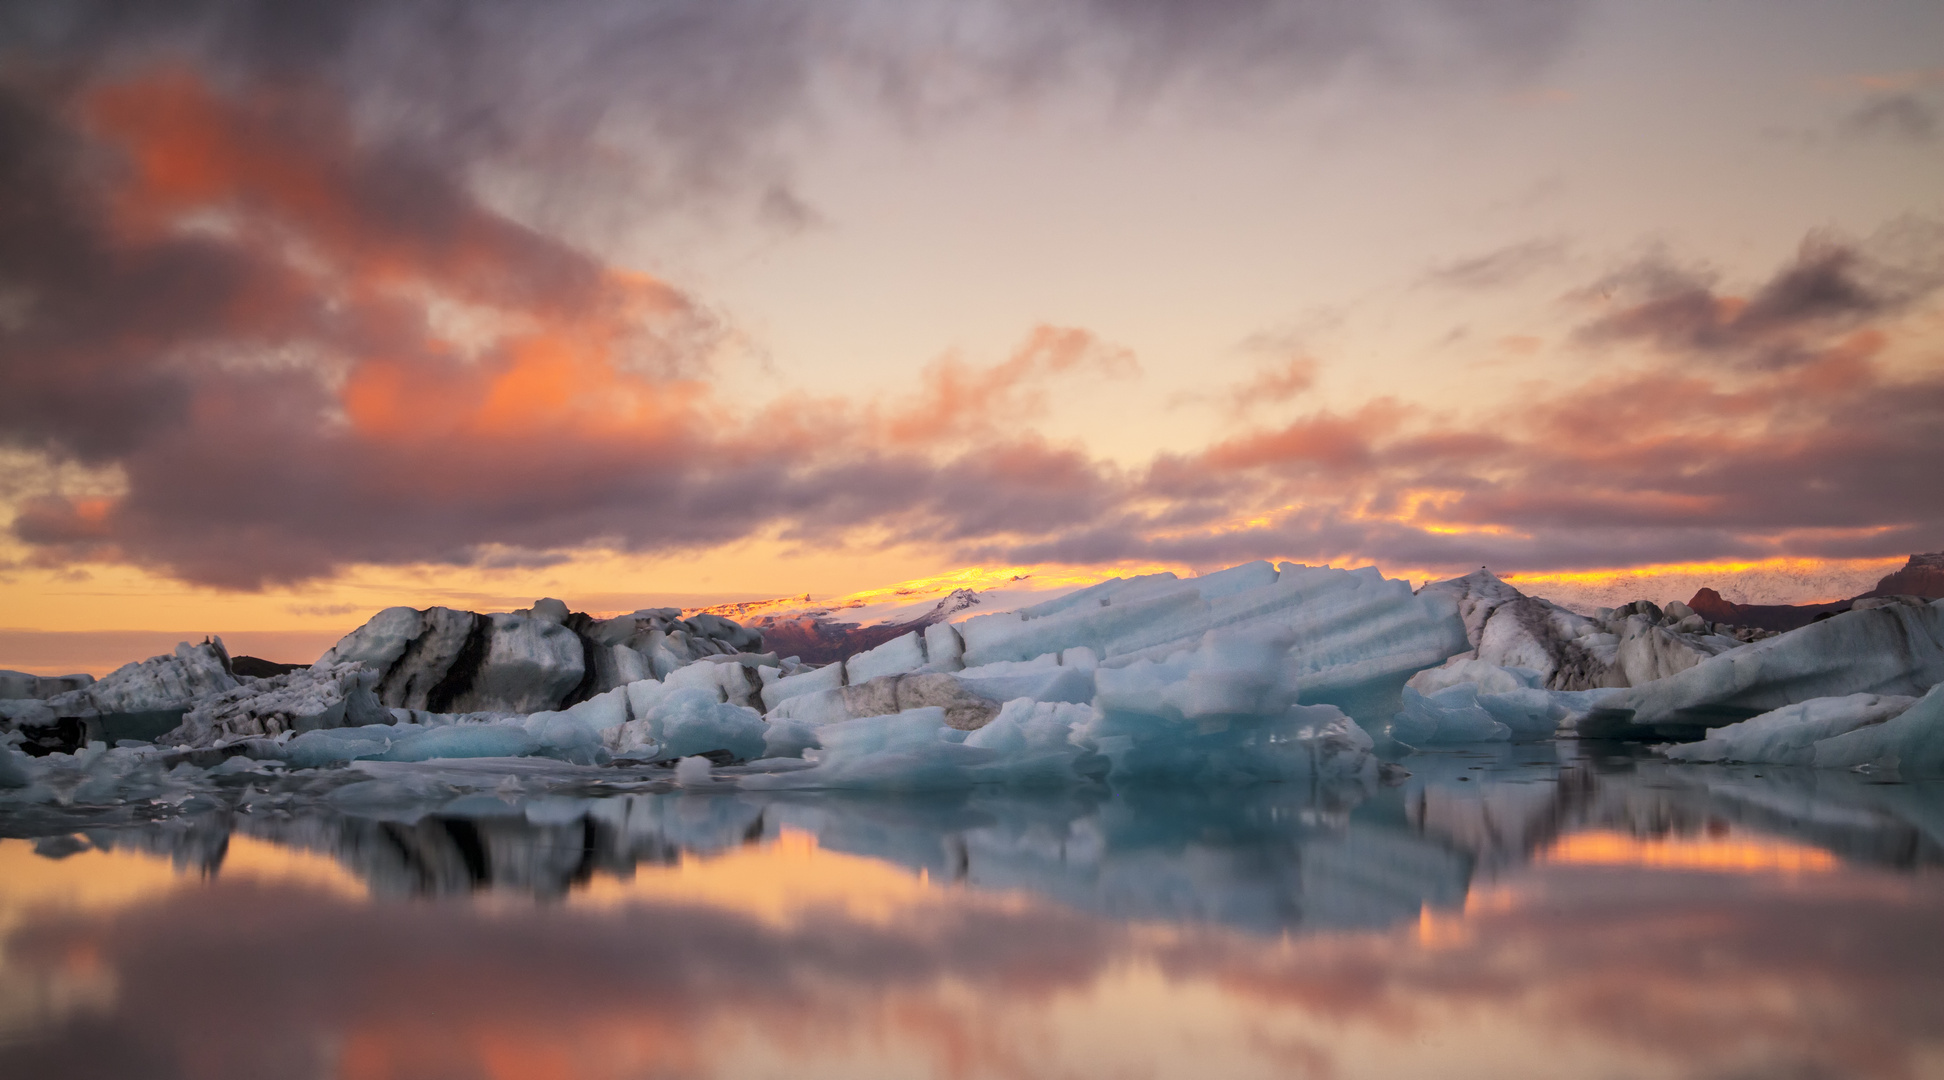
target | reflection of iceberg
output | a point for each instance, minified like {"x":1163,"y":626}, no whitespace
{"x":1264,"y":864}
{"x":1268,"y":858}
{"x":1518,"y":802}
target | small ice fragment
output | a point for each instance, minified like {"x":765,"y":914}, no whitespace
{"x":691,"y":772}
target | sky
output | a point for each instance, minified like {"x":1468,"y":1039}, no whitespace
{"x":310,"y":308}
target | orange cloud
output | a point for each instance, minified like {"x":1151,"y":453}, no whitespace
{"x":956,"y":401}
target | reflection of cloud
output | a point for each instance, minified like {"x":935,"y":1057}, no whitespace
{"x":1621,"y":970}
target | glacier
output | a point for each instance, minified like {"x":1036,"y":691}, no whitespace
{"x":1259,"y":673}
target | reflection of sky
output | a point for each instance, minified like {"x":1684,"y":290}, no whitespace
{"x":1686,"y":943}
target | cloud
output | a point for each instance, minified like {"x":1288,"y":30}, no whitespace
{"x":1898,"y":116}
{"x":1496,"y":269}
{"x":1831,"y":285}
{"x":255,"y":300}
{"x":575,"y":104}
{"x":958,"y":401}
{"x":1669,"y":457}
{"x":1276,"y":384}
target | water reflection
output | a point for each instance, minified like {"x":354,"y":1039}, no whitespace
{"x":1522,"y":911}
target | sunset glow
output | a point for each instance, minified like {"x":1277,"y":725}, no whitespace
{"x":311,"y":352}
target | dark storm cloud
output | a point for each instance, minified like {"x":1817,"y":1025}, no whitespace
{"x":1832,"y":284}
{"x":698,"y":85}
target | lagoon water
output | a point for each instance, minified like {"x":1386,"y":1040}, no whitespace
{"x":1550,"y":910}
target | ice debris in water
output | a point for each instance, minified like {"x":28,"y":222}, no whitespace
{"x":692,"y":772}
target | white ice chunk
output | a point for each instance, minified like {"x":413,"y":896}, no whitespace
{"x":786,"y":737}
{"x":600,"y":712}
{"x":1910,"y":744}
{"x":1348,"y":638}
{"x":1488,"y":678}
{"x":1468,"y":700}
{"x":895,"y":657}
{"x":687,"y":722}
{"x":693,"y":772}
{"x":1790,"y":735}
{"x":828,"y":677}
{"x":379,"y":643}
{"x":1892,"y":650}
{"x":729,"y":682}
{"x":967,"y":706}
{"x":944,"y":647}
{"x":629,"y":665}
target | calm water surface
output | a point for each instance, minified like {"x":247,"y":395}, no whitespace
{"x":1535,"y":911}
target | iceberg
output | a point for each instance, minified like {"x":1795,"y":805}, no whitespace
{"x":1253,"y":674}
{"x":21,"y":686}
{"x":1348,"y":638}
{"x":138,"y":701}
{"x":440,"y":660}
{"x":1628,"y":646}
{"x":1896,"y":648}
{"x":304,"y":700}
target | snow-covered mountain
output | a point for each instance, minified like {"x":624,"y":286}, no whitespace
{"x":1922,"y":576}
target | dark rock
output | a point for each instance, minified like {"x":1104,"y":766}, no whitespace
{"x":1922,"y":576}
{"x":257,"y":668}
{"x":63,"y":736}
{"x":1778,"y":617}
{"x":442,"y":660}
